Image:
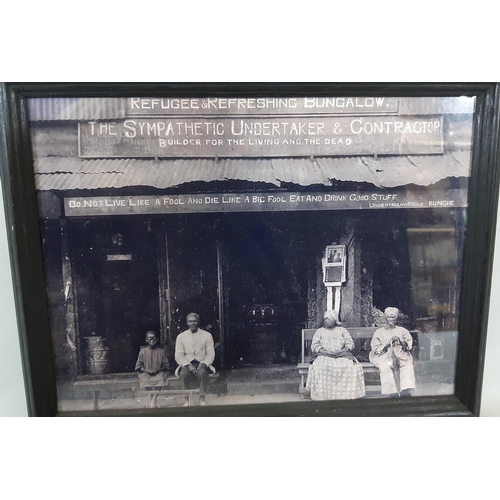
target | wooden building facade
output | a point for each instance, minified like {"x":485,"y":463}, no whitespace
{"x":116,"y":269}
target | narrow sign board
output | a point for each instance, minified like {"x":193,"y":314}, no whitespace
{"x":262,"y":105}
{"x":261,"y":137}
{"x":252,"y":202}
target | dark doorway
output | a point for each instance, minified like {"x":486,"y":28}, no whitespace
{"x":193,"y":275}
{"x":387,"y":240}
{"x":116,"y":284}
{"x":265,"y":280}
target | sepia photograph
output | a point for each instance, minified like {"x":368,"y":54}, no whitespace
{"x":335,"y":255}
{"x":244,"y":250}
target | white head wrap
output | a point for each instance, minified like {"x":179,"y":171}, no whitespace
{"x":333,"y":314}
{"x":393,"y":310}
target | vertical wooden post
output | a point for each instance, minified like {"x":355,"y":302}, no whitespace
{"x":337,"y":299}
{"x":96,"y":400}
{"x":168,"y":312}
{"x":330,"y":302}
{"x":329,"y":298}
{"x":163,"y":286}
{"x":220,"y":295}
{"x":72,"y":337}
{"x":351,"y":292}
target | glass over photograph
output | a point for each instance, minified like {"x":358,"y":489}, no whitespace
{"x":225,"y":251}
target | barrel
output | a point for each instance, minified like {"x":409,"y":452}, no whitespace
{"x":97,"y":356}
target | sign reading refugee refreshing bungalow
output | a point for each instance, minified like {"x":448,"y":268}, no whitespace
{"x":262,"y":105}
{"x":261,"y":136}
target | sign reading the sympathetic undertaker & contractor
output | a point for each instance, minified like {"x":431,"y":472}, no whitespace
{"x":261,"y":136}
{"x":262,"y":106}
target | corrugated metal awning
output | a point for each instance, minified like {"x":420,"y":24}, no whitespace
{"x":62,"y":174}
{"x":76,"y":108}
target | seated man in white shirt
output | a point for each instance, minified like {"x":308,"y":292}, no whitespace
{"x":194,"y":352}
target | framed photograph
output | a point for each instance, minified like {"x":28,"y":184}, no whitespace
{"x":251,"y":249}
{"x":334,"y":265}
{"x":335,"y":255}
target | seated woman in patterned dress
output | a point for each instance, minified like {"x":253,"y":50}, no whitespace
{"x":335,"y":373}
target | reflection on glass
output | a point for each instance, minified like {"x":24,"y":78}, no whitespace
{"x":289,"y":225}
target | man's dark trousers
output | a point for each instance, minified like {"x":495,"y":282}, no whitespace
{"x":189,"y":379}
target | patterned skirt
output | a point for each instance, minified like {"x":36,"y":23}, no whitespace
{"x":335,"y":378}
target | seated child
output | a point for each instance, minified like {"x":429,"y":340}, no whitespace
{"x":152,"y":366}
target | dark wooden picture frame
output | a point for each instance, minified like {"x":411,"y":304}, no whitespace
{"x":22,"y":213}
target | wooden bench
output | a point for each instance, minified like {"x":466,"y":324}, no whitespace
{"x":165,"y":390}
{"x":361,"y":336}
{"x":95,"y":385}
